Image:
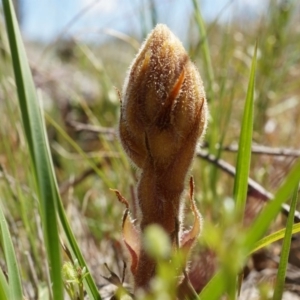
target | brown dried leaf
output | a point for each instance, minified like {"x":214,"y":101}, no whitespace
{"x":189,"y":237}
{"x":131,"y":237}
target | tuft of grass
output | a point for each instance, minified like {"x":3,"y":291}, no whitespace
{"x":45,"y":179}
{"x":38,"y":147}
{"x":217,"y":286}
{"x":229,"y":274}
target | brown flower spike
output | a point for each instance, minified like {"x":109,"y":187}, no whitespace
{"x":163,"y":115}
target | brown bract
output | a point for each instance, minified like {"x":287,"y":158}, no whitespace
{"x":163,"y":115}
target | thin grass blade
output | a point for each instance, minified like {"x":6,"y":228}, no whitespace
{"x":205,"y":49}
{"x":245,"y":142}
{"x":214,"y":289}
{"x":285,"y":251}
{"x":4,"y":290}
{"x":274,"y":237}
{"x":15,"y":286}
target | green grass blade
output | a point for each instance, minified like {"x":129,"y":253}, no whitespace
{"x":285,"y":251}
{"x":4,"y":290}
{"x":90,"y":285}
{"x":15,"y":286}
{"x":38,"y":148}
{"x":244,"y":152}
{"x":214,"y":289}
{"x":269,"y":213}
{"x":274,"y":237}
{"x":205,"y":50}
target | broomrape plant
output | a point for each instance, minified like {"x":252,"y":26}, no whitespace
{"x":163,"y":115}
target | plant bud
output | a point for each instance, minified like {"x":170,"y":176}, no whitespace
{"x":163,"y":115}
{"x":163,"y":102}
